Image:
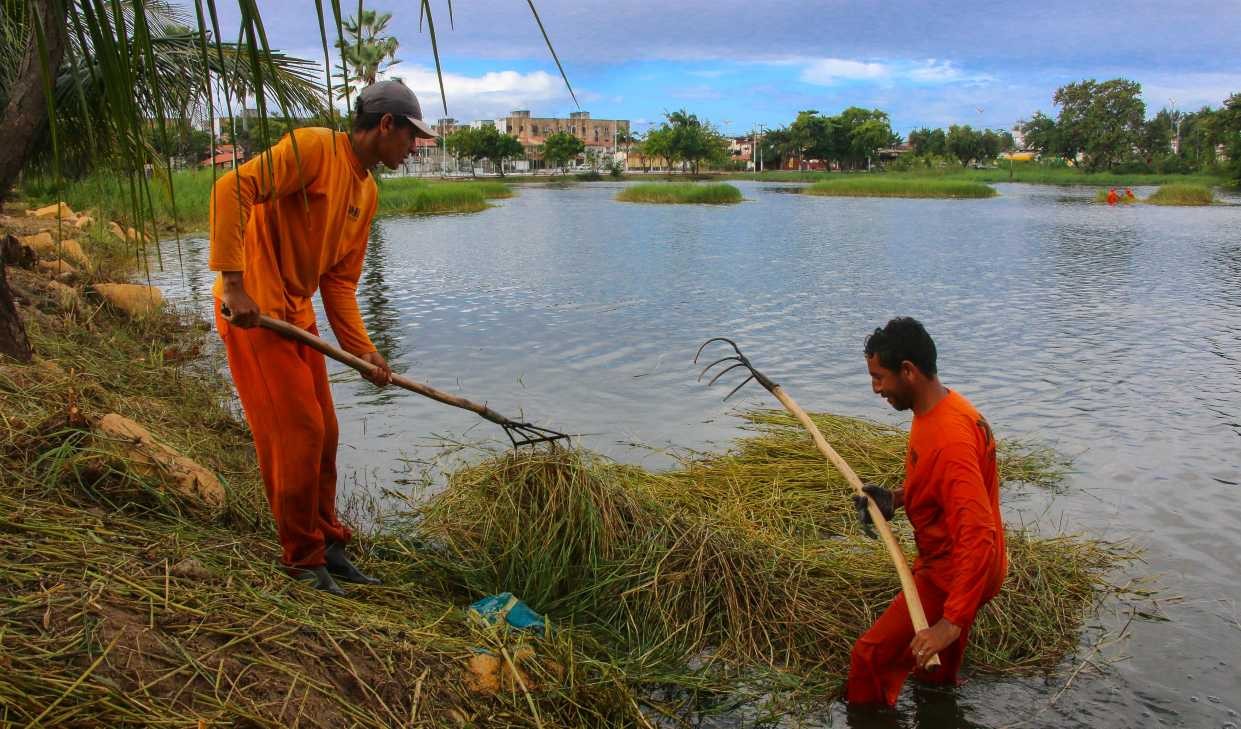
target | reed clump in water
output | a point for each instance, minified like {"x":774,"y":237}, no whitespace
{"x":875,"y":186}
{"x":753,"y":556}
{"x":680,"y":193}
{"x":1182,"y":194}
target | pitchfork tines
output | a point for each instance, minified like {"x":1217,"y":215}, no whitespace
{"x":738,"y":360}
{"x":522,"y":434}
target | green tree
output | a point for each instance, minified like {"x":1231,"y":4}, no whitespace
{"x":505,"y":147}
{"x":365,"y":50}
{"x":1155,"y":137}
{"x":1100,"y":120}
{"x":561,"y":147}
{"x":1041,"y":134}
{"x":1230,"y":124}
{"x":964,"y":143}
{"x":484,"y":143}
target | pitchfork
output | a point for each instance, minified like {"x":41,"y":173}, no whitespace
{"x":520,"y":433}
{"x":739,"y":360}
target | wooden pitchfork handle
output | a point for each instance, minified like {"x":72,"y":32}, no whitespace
{"x":916,"y":614}
{"x":298,"y":334}
{"x":518,"y":432}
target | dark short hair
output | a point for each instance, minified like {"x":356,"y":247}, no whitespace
{"x":364,"y":120}
{"x":903,"y":338}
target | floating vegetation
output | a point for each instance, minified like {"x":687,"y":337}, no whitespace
{"x":1182,"y":194}
{"x":680,"y":193}
{"x":884,"y":186}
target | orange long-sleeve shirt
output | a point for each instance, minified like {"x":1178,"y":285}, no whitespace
{"x":294,"y":222}
{"x":952,"y":498}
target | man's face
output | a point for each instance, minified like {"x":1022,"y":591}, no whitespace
{"x":892,"y":386}
{"x":396,"y":142}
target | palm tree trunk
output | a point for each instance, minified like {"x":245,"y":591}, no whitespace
{"x":25,"y":115}
{"x":13,"y":341}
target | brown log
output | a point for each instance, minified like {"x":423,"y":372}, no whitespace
{"x":25,"y":115}
{"x":13,"y":340}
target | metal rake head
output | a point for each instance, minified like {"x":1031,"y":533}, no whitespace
{"x":523,"y":434}
{"x":738,"y":360}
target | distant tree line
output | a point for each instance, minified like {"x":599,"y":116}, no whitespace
{"x":962,"y":143}
{"x":484,"y":143}
{"x":1105,"y":125}
{"x":684,"y":138}
{"x":848,"y":140}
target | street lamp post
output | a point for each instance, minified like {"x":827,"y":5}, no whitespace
{"x":760,"y":147}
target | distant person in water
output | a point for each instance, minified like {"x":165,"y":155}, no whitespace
{"x":1112,"y":197}
{"x":952,"y":499}
{"x":1129,"y":194}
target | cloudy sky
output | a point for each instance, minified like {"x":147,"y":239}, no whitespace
{"x":738,"y":64}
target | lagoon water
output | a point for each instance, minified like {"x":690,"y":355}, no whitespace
{"x":1113,"y":334}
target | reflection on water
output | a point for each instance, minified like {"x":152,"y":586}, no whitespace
{"x":1110,"y":332}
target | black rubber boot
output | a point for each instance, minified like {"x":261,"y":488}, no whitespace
{"x":318,"y":578}
{"x":340,"y":566}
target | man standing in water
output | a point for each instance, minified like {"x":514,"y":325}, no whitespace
{"x":951,"y":495}
{"x":284,"y":225}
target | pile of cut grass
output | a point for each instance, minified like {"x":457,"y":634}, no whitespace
{"x":882,"y":186}
{"x":680,"y":193}
{"x":1182,"y":194}
{"x":753,"y":557}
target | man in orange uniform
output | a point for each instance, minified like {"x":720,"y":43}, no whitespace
{"x":951,"y":495}
{"x":284,"y":225}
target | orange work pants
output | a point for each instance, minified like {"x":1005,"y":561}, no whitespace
{"x":285,"y":394}
{"x":881,"y":658}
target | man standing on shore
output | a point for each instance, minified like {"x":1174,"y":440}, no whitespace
{"x":951,"y":496}
{"x":287,"y":223}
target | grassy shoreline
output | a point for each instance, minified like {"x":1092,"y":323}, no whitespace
{"x":191,"y":190}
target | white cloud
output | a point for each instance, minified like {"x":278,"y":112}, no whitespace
{"x":834,"y":71}
{"x":830,"y":71}
{"x":487,"y":96}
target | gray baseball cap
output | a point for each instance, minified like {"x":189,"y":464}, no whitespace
{"x":394,"y":97}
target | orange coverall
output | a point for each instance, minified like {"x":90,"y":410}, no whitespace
{"x":952,"y":499}
{"x":294,"y":222}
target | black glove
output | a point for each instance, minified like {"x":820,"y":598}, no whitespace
{"x":883,"y":499}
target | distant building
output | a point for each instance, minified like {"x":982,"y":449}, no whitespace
{"x":480,"y":123}
{"x":600,"y":136}
{"x":224,"y":156}
{"x":446,"y":126}
{"x":741,"y":149}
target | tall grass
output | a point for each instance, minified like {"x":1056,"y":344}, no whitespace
{"x":882,"y":186}
{"x":102,"y":192}
{"x":680,"y":193}
{"x":427,"y":199}
{"x":1182,"y":194}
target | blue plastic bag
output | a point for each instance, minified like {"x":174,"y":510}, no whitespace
{"x":505,"y":606}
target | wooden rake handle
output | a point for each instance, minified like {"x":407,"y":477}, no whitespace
{"x":916,"y":614}
{"x":298,"y":334}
